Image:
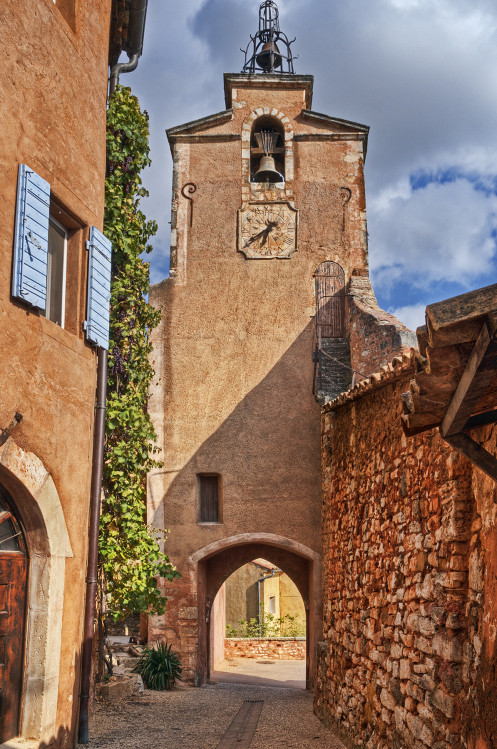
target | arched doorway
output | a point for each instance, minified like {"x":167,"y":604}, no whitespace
{"x":217,"y":561}
{"x":330,"y":300}
{"x":13,"y":579}
{"x":29,"y":489}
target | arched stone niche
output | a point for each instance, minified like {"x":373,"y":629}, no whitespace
{"x":32,"y":488}
{"x":216,"y":562}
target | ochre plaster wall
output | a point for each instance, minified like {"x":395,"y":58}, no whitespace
{"x":53,"y":111}
{"x":241,"y":594}
{"x":291,"y":603}
{"x":218,"y":628}
{"x":409,"y":529}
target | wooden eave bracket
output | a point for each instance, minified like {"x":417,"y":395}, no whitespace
{"x":475,"y":453}
{"x":480,"y":372}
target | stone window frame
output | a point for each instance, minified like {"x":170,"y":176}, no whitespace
{"x":249,"y":189}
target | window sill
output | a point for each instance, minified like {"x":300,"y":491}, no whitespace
{"x":61,"y":335}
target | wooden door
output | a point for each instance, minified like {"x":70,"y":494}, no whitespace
{"x":330,"y":300}
{"x":13,"y":574}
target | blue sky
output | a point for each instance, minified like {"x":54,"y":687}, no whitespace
{"x":421,"y":73}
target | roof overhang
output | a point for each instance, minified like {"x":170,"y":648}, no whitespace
{"x":349,"y":130}
{"x":455,"y":386}
{"x":127,"y":28}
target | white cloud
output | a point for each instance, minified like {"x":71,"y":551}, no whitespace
{"x":412,"y":315}
{"x":441,"y":233}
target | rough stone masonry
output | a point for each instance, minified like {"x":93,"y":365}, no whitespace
{"x":409,"y":579}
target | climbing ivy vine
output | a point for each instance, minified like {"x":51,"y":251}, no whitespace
{"x":130,"y":555}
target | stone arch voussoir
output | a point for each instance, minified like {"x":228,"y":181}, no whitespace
{"x":33,"y":490}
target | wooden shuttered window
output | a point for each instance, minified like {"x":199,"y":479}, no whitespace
{"x":209,"y":498}
{"x":99,"y":278}
{"x":39,"y":260}
{"x":29,"y":277}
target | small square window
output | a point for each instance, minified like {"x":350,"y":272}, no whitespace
{"x":209,"y":498}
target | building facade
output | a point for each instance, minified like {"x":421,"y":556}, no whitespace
{"x":52,"y":156}
{"x":268,"y":236}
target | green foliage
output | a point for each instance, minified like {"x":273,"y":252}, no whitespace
{"x":270,"y":626}
{"x":231,"y":631}
{"x":130,"y":552}
{"x":292,"y":626}
{"x":159,"y":666}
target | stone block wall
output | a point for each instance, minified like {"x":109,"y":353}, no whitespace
{"x":376,"y":336}
{"x":403,"y":565}
{"x":481,"y":707}
{"x":283,"y":648}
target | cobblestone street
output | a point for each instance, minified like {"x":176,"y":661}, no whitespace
{"x":200,"y":718}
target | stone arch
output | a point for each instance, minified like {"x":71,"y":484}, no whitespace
{"x":215,"y":563}
{"x":32,"y":488}
{"x":247,"y":126}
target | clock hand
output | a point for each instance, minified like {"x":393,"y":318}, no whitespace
{"x":264,"y":233}
{"x":268,"y":229}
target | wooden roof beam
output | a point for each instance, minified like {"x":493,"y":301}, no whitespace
{"x":475,"y":453}
{"x":476,"y":378}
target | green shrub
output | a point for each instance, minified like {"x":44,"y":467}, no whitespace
{"x":159,"y":667}
{"x":231,"y":631}
{"x":270,"y":626}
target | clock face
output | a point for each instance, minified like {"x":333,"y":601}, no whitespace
{"x":267,"y":230}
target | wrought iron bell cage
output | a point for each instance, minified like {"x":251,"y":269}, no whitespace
{"x":269,"y":50}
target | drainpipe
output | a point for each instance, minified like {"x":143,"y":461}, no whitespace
{"x":259,"y":581}
{"x":134,"y":42}
{"x":92,"y":569}
{"x":122,"y":67}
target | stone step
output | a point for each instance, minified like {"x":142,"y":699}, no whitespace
{"x":334,"y":374}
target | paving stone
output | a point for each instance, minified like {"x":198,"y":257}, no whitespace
{"x":198,"y":719}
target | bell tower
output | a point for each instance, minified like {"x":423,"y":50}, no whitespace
{"x":268,"y":248}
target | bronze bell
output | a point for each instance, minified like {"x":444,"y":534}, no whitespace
{"x":267,"y":171}
{"x":269,"y":50}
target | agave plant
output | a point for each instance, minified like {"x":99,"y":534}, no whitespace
{"x":159,"y":666}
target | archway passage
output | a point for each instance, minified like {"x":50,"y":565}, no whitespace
{"x":13,"y":578}
{"x":217,"y":564}
{"x":258,"y":628}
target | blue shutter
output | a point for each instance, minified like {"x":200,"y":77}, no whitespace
{"x":99,"y":270}
{"x":29,"y":276}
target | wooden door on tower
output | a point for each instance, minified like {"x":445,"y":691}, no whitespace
{"x":13,"y":578}
{"x":330,"y":300}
